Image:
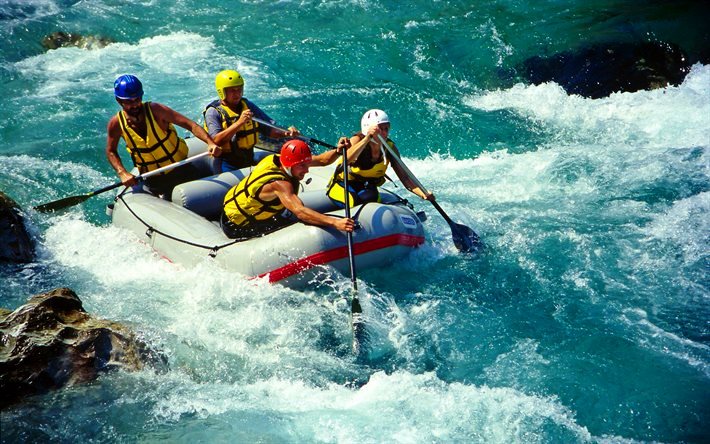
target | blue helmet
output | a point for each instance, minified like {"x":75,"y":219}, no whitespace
{"x":128,"y":87}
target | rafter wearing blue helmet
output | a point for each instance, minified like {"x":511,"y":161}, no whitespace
{"x":128,"y":87}
{"x":151,"y":140}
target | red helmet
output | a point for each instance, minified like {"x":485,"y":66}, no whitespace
{"x":294,"y":152}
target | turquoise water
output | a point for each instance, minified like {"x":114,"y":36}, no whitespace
{"x":584,"y":320}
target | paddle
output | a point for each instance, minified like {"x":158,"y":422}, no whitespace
{"x":74,"y":200}
{"x":465,"y":239}
{"x":307,"y":139}
{"x":356,"y":309}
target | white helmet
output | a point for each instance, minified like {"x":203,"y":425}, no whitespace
{"x":374,"y":116}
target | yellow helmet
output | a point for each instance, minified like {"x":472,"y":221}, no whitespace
{"x":226,"y":79}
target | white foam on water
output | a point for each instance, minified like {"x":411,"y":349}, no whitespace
{"x":673,"y":116}
{"x":562,"y":185}
{"x":485,"y":190}
{"x":399,"y":407}
{"x":267,"y":328}
{"x":441,"y":110}
{"x":522,"y":363}
{"x":501,"y":49}
{"x":420,"y":59}
{"x":650,"y":335}
{"x":244,"y":346}
{"x":24,"y":174}
{"x":78,"y":244}
{"x":686,"y":225}
{"x":413,"y":24}
{"x":161,"y":58}
{"x":17,"y":12}
{"x":166,"y":65}
{"x":241,"y":346}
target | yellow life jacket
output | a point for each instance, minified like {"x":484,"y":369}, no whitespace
{"x":245,"y":138}
{"x":158,"y":149}
{"x":364,"y":173}
{"x":242,"y":204}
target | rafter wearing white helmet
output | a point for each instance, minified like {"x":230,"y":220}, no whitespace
{"x":373,"y":117}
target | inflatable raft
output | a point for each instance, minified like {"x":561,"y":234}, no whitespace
{"x":186,"y":230}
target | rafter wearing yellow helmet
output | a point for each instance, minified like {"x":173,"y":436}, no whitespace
{"x":229,"y":121}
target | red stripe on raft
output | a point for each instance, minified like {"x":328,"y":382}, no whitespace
{"x":325,"y":257}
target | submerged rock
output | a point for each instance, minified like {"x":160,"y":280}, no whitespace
{"x":51,"y":342}
{"x":602,"y":69}
{"x":16,"y":245}
{"x":60,"y":39}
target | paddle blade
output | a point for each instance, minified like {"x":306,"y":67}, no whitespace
{"x":358,"y":325}
{"x":465,"y":239}
{"x":62,"y":203}
{"x":74,"y":200}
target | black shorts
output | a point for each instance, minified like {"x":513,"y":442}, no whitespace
{"x":163,"y":184}
{"x":254,"y":230}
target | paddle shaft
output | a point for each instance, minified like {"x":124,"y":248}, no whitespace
{"x":151,"y":173}
{"x":171,"y":166}
{"x":74,"y":200}
{"x":351,"y":256}
{"x":307,"y":139}
{"x":465,"y":238}
{"x":355,"y":307}
{"x":392,"y":154}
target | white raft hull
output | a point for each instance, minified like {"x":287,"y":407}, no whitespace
{"x":293,"y":256}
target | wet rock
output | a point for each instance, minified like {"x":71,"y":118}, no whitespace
{"x":16,"y":245}
{"x":52,"y":342}
{"x":602,"y":69}
{"x":60,"y":39}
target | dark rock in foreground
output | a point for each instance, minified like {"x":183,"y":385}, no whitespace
{"x":51,"y":342}
{"x":600,"y":70}
{"x":60,"y":39}
{"x":16,"y":245}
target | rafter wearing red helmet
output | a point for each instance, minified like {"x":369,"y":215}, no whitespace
{"x":253,"y":207}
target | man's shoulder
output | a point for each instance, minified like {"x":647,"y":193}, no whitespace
{"x":157,"y":106}
{"x":213,"y":105}
{"x":212,"y":111}
{"x":158,"y":109}
{"x":282,"y":185}
{"x":114,"y":126}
